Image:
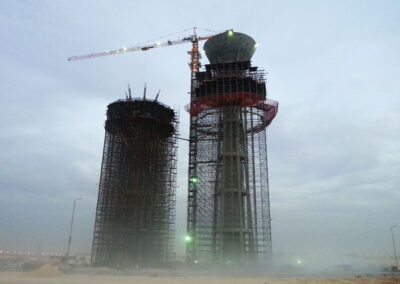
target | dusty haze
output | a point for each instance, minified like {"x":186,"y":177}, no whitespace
{"x":334,"y":151}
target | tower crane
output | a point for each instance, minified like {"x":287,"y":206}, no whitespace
{"x":194,"y":52}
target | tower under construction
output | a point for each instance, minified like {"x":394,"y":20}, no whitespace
{"x":228,"y":200}
{"x":135,"y":213}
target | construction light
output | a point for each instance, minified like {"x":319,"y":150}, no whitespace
{"x":194,"y":180}
{"x":230,"y":33}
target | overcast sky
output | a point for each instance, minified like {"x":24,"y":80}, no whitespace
{"x":334,"y":151}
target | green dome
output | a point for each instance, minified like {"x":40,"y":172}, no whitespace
{"x":229,"y":46}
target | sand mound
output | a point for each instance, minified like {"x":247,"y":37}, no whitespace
{"x":46,"y":271}
{"x":96,"y":271}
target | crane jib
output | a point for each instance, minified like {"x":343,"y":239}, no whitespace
{"x":122,"y":50}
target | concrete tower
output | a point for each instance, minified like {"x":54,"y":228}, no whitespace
{"x":228,"y":205}
{"x":136,"y":203}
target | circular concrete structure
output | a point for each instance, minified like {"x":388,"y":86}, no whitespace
{"x":229,"y":46}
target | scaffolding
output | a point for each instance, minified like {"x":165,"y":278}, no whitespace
{"x":135,"y":213}
{"x":228,"y":200}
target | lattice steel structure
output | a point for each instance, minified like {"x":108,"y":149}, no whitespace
{"x":228,"y":202}
{"x":136,"y":203}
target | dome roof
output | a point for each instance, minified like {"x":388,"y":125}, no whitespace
{"x":229,"y":46}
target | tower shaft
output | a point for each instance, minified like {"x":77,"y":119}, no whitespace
{"x":136,"y":205}
{"x":228,"y":209}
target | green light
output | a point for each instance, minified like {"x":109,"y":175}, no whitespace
{"x":194,"y":180}
{"x":299,"y":261}
{"x":188,"y":238}
{"x":256,"y":45}
{"x":230,"y":33}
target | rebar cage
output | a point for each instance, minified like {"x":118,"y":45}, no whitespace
{"x":228,"y":202}
{"x":135,"y":213}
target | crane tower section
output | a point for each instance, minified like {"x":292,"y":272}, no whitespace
{"x":228,"y":199}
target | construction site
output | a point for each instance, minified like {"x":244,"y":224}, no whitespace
{"x":228,"y":214}
{"x":228,"y":223}
{"x":228,"y":211}
{"x":199,"y":142}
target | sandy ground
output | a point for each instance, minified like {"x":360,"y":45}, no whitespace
{"x":27,"y":278}
{"x":47,"y":274}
